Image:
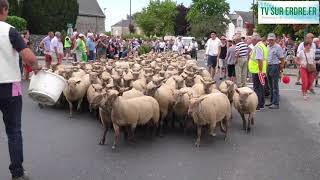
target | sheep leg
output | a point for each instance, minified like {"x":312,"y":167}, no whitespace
{"x":132,"y":130}
{"x":161,"y":124}
{"x":103,"y":139}
{"x":70,"y":109}
{"x":79,"y":104}
{"x":116,"y":136}
{"x":212,"y":130}
{"x":252,"y":119}
{"x":249,"y":123}
{"x":90,"y":108}
{"x":244,"y":121}
{"x":226,"y":123}
{"x":197,"y":144}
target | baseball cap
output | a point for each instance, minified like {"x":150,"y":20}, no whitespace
{"x":272,"y":36}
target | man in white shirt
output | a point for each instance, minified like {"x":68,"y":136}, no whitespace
{"x":212,"y":52}
{"x":54,"y":45}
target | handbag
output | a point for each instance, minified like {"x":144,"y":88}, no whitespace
{"x":310,"y":67}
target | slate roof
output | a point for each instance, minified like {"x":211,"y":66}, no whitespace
{"x":90,"y":8}
{"x":124,"y":23}
{"x":246,"y":16}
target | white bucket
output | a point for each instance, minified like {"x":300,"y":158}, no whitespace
{"x":46,"y":87}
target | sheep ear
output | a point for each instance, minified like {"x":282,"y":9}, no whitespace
{"x":78,"y":82}
{"x":250,"y":93}
{"x":237,"y":91}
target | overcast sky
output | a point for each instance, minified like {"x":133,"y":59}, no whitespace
{"x":118,"y":9}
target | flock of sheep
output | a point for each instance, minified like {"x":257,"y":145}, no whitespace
{"x":154,"y":90}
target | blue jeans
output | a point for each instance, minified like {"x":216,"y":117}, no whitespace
{"x":273,"y":79}
{"x":259,"y":90}
{"x":11,"y":109}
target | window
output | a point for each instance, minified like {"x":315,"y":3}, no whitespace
{"x":239,"y":23}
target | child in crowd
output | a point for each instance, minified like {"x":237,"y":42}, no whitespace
{"x":231,"y":60}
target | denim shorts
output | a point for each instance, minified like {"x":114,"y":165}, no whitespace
{"x":212,"y":61}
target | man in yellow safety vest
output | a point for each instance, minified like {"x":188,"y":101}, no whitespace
{"x":258,"y":68}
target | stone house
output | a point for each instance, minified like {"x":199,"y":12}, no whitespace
{"x":91,"y":17}
{"x":241,"y":23}
{"x":122,"y":28}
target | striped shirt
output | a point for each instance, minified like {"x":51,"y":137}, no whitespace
{"x":317,"y":56}
{"x":242,"y":48}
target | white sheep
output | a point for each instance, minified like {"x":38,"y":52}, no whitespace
{"x":75,"y":91}
{"x":132,"y":112}
{"x":245,"y":100}
{"x":209,"y":110}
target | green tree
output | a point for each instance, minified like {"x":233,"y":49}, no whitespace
{"x":19,"y":23}
{"x":14,"y":9}
{"x":158,"y":18}
{"x":49,"y":15}
{"x":208,"y":15}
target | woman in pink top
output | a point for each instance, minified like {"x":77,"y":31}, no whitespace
{"x":303,"y":58}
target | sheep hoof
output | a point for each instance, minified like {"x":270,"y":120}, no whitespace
{"x":70,"y":117}
{"x":197,"y":144}
{"x":113,"y":147}
{"x":213,"y":134}
{"x":41,"y":106}
{"x":248,"y":130}
{"x":102,"y":142}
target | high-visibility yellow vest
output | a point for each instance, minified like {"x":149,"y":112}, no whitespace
{"x":253,"y":63}
{"x":67,"y":44}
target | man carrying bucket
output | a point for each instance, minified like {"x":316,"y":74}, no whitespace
{"x":12,"y":45}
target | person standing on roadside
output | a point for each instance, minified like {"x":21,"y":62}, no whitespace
{"x":12,"y":44}
{"x":80,"y":48}
{"x":258,"y":68}
{"x":45,"y":45}
{"x":275,"y":56}
{"x":231,"y":60}
{"x":241,"y":62}
{"x":309,"y":38}
{"x":317,"y":59}
{"x":54,"y":45}
{"x":222,"y":58}
{"x":305,"y":57}
{"x":213,"y":50}
{"x":91,"y":46}
{"x":67,"y":46}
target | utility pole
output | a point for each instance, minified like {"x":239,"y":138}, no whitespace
{"x":253,"y":12}
{"x":130,"y":18}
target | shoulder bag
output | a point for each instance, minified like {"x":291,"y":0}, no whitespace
{"x":310,"y":67}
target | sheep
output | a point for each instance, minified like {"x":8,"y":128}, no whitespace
{"x":205,"y":87}
{"x":93,"y":91}
{"x":245,"y":100}
{"x":75,"y":91}
{"x":228,"y":88}
{"x":132,"y":112}
{"x":209,"y":110}
{"x":181,"y":104}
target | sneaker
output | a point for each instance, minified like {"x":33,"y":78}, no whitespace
{"x":274,"y":106}
{"x":298,"y":83}
{"x":24,"y":177}
{"x":269,"y":104}
{"x":258,"y":109}
{"x":262,"y":107}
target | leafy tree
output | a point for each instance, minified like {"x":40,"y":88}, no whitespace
{"x":49,"y":15}
{"x":207,"y":15}
{"x":19,"y":23}
{"x":157,"y":18}
{"x":14,"y":9}
{"x":181,"y":23}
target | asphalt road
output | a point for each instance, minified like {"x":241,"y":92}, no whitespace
{"x":283,"y":145}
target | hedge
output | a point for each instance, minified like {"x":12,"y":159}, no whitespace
{"x":19,"y":23}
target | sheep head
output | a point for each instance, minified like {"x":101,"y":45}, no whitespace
{"x":194,"y":104}
{"x":243,"y":96}
{"x":179,"y":81}
{"x":72,"y":83}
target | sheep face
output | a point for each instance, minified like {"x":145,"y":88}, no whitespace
{"x":243,"y":96}
{"x":179,"y":82}
{"x":73,"y":83}
{"x":193,"y":105}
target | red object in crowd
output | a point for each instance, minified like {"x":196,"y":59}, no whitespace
{"x":28,"y":68}
{"x":262,"y":78}
{"x":286,"y":79}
